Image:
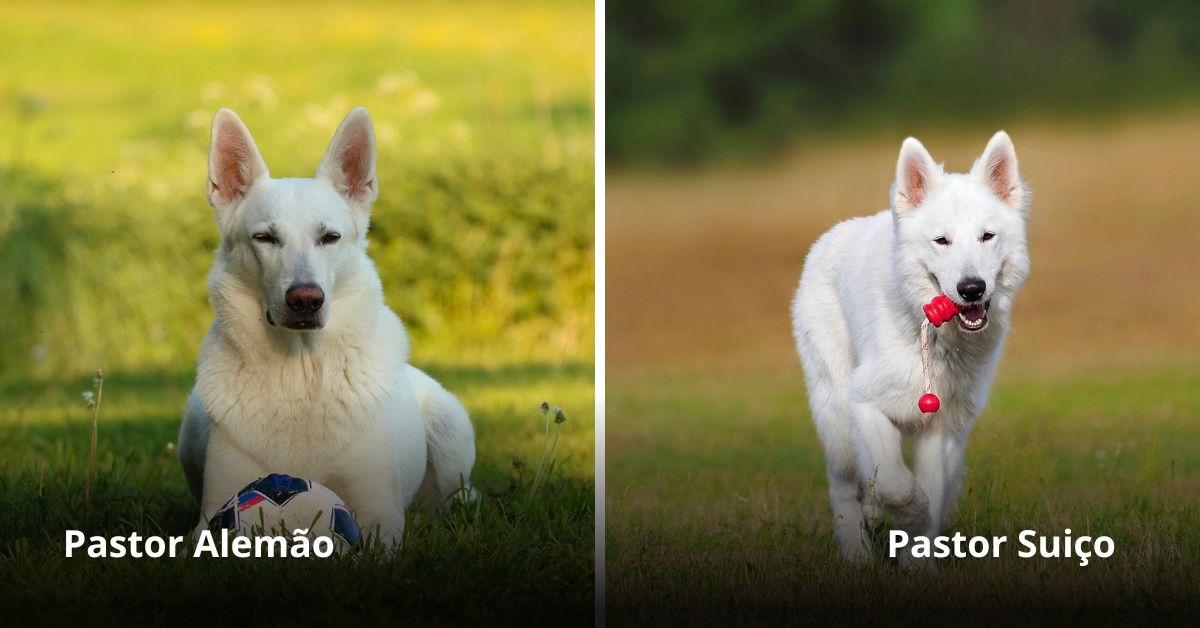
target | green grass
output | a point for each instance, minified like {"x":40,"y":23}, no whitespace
{"x":482,"y":235}
{"x":717,"y":508}
{"x":511,"y":552}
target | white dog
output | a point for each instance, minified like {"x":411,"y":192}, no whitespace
{"x":305,"y":370}
{"x":857,"y":318}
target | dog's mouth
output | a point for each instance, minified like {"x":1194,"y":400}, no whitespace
{"x":973,"y":316}
{"x":296,"y":324}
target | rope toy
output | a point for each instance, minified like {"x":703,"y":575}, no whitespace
{"x":937,"y":311}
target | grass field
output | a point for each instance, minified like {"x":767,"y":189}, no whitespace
{"x":473,"y":564}
{"x":716,"y":503}
{"x":483,"y":236}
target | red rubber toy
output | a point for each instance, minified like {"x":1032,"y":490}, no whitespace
{"x":940,"y":310}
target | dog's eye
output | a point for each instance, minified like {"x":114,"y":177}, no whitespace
{"x":265,"y":238}
{"x":330,"y":238}
{"x":942,"y":241}
{"x":987,"y":235}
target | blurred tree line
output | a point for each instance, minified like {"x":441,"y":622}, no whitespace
{"x":689,"y":81}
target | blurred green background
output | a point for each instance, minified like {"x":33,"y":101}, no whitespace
{"x":702,"y":80}
{"x":482,"y":235}
{"x":482,"y":232}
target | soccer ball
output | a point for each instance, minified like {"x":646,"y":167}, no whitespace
{"x":280,"y":504}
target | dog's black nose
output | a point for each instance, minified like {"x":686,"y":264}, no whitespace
{"x":972,"y":289}
{"x":305,"y":298}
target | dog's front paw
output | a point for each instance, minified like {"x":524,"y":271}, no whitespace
{"x":914,"y":564}
{"x":392,"y":537}
{"x":872,"y":512}
{"x":389,"y":533}
{"x":857,"y":551}
{"x":912,"y":513}
{"x":466,"y":495}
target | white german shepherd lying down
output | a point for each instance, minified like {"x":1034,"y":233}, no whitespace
{"x":305,"y":370}
{"x":857,"y":318}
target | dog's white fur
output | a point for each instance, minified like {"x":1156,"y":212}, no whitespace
{"x":856,"y":319}
{"x":337,"y":403}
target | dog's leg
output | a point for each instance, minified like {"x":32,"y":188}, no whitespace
{"x":450,"y":440}
{"x":832,"y":416}
{"x":845,"y":495}
{"x":192,"y":447}
{"x":938,"y":458}
{"x":226,"y":470}
{"x":376,"y":509}
{"x":381,"y":477}
{"x":881,"y":464}
{"x":373,"y":494}
{"x":824,"y":347}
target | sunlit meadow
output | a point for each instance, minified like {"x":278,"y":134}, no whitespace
{"x":483,"y":235}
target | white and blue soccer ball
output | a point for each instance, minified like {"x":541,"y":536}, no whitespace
{"x":281,"y":504}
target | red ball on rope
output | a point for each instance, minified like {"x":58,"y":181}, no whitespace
{"x":929,"y":403}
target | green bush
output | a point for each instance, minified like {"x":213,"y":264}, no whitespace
{"x":89,"y":283}
{"x":693,"y":81}
{"x":492,"y":255}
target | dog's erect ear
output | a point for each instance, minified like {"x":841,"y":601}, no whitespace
{"x":997,"y":169}
{"x":916,"y":173}
{"x":234,"y":163}
{"x":349,"y":163}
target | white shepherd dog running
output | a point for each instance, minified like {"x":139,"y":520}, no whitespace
{"x":857,"y":318}
{"x":305,"y":370}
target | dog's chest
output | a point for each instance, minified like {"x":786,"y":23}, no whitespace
{"x":959,"y":378}
{"x":307,"y":406}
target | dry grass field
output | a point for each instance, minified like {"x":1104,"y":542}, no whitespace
{"x":715,"y":480}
